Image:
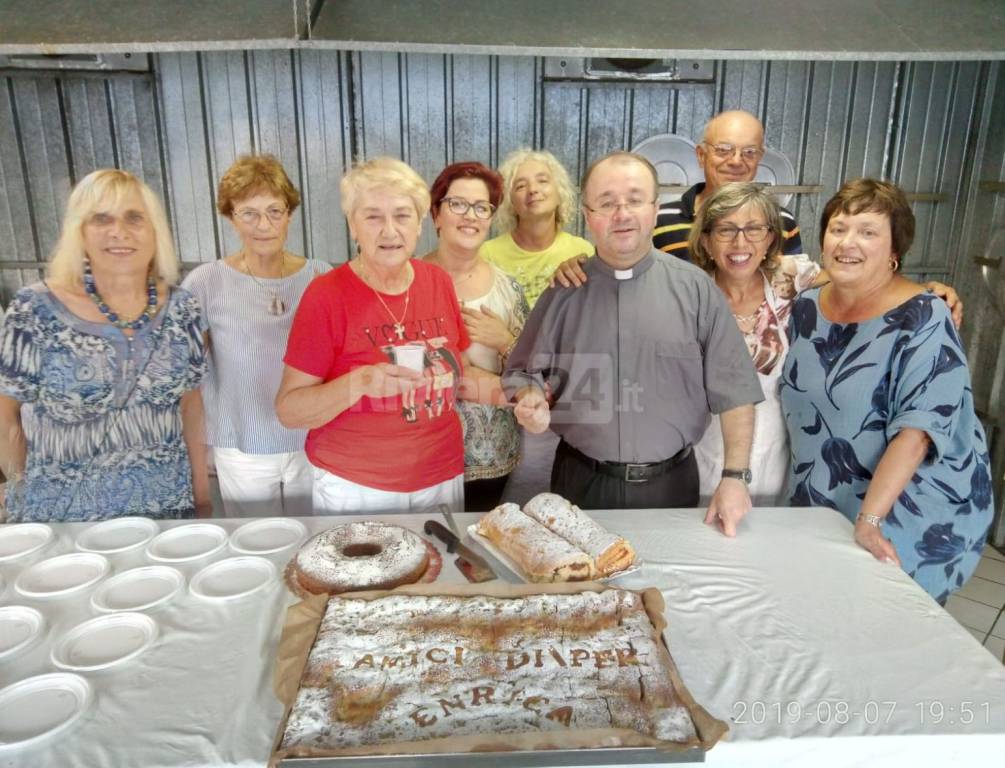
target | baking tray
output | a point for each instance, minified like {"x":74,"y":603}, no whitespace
{"x":522,"y":759}
{"x":533,"y":757}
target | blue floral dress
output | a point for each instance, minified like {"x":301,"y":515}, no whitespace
{"x":101,"y":413}
{"x":847,"y":390}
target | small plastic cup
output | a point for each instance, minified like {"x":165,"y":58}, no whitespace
{"x":410,"y":356}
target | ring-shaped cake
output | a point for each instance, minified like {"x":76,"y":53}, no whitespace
{"x":358,"y":556}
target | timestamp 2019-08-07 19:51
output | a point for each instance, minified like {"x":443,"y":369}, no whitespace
{"x":826,"y":711}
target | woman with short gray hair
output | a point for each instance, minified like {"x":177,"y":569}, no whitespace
{"x":374,"y":360}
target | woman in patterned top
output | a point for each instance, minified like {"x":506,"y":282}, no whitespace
{"x":737,"y":238}
{"x":464,"y":197}
{"x":877,"y":397}
{"x":100,"y":412}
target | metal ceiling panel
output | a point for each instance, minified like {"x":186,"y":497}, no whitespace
{"x":61,"y":26}
{"x":854,"y":30}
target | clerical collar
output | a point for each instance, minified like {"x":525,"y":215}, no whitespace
{"x":633,"y":272}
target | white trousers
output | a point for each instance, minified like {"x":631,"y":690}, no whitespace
{"x":264,"y":485}
{"x":334,"y":495}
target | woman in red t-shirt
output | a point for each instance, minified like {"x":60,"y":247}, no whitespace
{"x":375,"y":358}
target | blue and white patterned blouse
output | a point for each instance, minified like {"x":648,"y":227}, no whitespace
{"x":101,"y":412}
{"x":848,"y":389}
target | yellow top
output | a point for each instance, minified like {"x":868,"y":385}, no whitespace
{"x":533,"y":269}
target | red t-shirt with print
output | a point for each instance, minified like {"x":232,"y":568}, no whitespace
{"x":401,"y":443}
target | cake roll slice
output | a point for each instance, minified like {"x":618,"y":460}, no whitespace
{"x":541,"y":554}
{"x":608,"y":551}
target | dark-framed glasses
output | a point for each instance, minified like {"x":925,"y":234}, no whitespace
{"x":725,"y":151}
{"x":460,"y":207}
{"x":610,"y":207}
{"x":251,"y":217}
{"x":726,"y":233}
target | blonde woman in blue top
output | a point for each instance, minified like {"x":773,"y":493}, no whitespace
{"x":100,"y":364}
{"x":249,"y":299}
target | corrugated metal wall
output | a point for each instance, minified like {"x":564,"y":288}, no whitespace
{"x":181,"y":125}
{"x":936,"y":128}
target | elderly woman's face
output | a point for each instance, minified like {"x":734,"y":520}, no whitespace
{"x":466,"y":230}
{"x":120,"y":237}
{"x":858,"y":248}
{"x":738,"y":243}
{"x":262,"y":222}
{"x":533,"y":192}
{"x":385,"y":225}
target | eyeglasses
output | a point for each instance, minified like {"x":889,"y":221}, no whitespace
{"x":726,"y":151}
{"x":726,"y":233}
{"x":130,"y":220}
{"x":251,"y":217}
{"x":460,"y":207}
{"x":609,"y":207}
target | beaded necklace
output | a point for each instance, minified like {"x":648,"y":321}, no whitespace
{"x":91,"y":289}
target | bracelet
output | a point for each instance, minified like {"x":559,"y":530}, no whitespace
{"x":875,"y":520}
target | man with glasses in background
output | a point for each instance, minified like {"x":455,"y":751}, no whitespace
{"x":626,"y":368}
{"x":730,"y":150}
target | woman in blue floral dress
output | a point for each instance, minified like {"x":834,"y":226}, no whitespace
{"x":100,"y":413}
{"x":877,"y":399}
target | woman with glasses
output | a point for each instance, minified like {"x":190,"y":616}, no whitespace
{"x":249,"y":299}
{"x":738,"y":239}
{"x":100,"y":365}
{"x":464,"y":199}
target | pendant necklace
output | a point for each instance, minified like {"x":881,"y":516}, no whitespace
{"x":277,"y":306}
{"x":399,"y":325}
{"x":91,"y":289}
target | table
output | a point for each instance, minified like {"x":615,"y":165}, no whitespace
{"x":813,"y":651}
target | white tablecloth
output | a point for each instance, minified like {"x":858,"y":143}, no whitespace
{"x":815,"y":653}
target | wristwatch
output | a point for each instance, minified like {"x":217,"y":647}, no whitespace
{"x":738,"y":474}
{"x":875,"y":520}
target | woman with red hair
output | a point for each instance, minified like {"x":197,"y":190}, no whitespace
{"x":464,"y":198}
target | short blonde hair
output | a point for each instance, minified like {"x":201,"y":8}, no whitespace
{"x":252,"y":175}
{"x":99,"y":191}
{"x":506,"y":217}
{"x":728,"y":198}
{"x":387,"y":173}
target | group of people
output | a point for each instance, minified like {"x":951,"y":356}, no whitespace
{"x":692,"y":351}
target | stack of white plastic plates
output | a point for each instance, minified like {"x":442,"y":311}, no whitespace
{"x":233,"y":578}
{"x":120,"y":534}
{"x":22,"y":539}
{"x":20,"y":627}
{"x":61,"y":576}
{"x":40,"y":707}
{"x":139,"y":589}
{"x":104,"y":642}
{"x":264,"y":537}
{"x":187,"y":542}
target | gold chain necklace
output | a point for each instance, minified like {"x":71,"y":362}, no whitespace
{"x":277,"y":306}
{"x":399,"y":325}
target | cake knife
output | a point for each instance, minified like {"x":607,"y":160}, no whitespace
{"x":468,"y":563}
